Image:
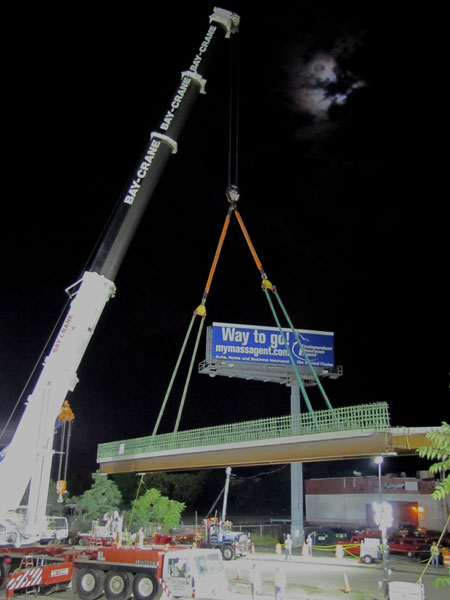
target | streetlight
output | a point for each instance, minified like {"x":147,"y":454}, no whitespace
{"x":383,"y":518}
{"x":379,"y":461}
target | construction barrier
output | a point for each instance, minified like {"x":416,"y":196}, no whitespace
{"x":403,"y":590}
{"x":347,"y":588}
{"x":446,"y":556}
{"x":349,"y":547}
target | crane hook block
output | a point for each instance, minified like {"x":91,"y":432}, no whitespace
{"x":200,"y":310}
{"x":232,"y":194}
{"x":61,"y":488}
{"x":66,"y":413}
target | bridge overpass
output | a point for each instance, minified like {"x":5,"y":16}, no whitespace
{"x":343,"y":433}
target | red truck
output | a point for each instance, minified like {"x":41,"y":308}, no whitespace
{"x":414,"y":547}
{"x":398,"y":544}
{"x":145,"y":573}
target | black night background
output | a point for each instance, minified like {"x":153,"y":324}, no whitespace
{"x":331,"y":127}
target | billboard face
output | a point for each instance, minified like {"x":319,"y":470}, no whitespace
{"x":265,"y":345}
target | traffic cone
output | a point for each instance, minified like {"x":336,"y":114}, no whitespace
{"x":238,"y":575}
{"x":347,"y":588}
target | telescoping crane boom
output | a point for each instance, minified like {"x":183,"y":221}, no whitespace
{"x":29,"y":455}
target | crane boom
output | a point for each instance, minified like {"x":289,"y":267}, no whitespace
{"x":29,"y":455}
{"x":162,"y":143}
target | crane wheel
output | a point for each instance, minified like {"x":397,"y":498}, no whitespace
{"x":228,"y":552}
{"x":89,"y":583}
{"x":118,"y":585}
{"x":145,"y":587}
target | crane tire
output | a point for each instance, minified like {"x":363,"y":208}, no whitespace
{"x":118,"y":585}
{"x":146,"y":587}
{"x":227,"y":552}
{"x":89,"y":583}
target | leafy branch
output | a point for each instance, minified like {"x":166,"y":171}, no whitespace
{"x":439,"y":449}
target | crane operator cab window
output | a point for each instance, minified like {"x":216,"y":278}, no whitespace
{"x":179,"y":579}
{"x":201,"y":566}
{"x":214,"y":564}
{"x":178,"y":568}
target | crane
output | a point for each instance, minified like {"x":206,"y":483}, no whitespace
{"x":28,"y":457}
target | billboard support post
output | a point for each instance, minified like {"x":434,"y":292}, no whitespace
{"x":297,"y":526}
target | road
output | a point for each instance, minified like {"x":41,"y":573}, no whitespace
{"x":324,"y":578}
{"x":316,"y":578}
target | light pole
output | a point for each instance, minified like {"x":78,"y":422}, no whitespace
{"x":379,"y":461}
{"x":383,"y":518}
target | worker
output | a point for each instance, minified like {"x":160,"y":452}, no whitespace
{"x":309,"y":543}
{"x":140,"y":538}
{"x":255,"y":581}
{"x":288,"y":547}
{"x":434,"y":551}
{"x":280,"y":584}
{"x":126,"y":537}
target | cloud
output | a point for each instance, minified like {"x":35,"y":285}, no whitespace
{"x":320,"y":70}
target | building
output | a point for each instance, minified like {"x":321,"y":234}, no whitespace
{"x":347,"y":501}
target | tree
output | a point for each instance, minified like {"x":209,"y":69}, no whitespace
{"x":128,"y":484}
{"x":153,"y":507}
{"x":103,"y":497}
{"x":439,"y":448}
{"x":183,"y":487}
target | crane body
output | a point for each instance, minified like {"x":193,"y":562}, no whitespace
{"x":28,"y":457}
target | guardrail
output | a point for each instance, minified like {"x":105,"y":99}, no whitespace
{"x":362,"y":416}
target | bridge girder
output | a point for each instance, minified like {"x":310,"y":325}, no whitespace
{"x":306,"y":448}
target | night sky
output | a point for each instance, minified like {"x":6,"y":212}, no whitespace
{"x":330,"y":132}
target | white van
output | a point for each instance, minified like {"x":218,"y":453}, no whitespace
{"x":57,"y":530}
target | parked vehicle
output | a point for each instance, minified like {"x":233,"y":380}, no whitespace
{"x":409,"y":546}
{"x":328,"y":536}
{"x":414,"y":547}
{"x":220,"y":535}
{"x":57,"y":530}
{"x":367,"y":548}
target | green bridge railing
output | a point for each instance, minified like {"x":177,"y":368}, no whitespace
{"x":362,"y":416}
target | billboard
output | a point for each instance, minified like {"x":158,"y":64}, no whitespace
{"x":265,"y":345}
